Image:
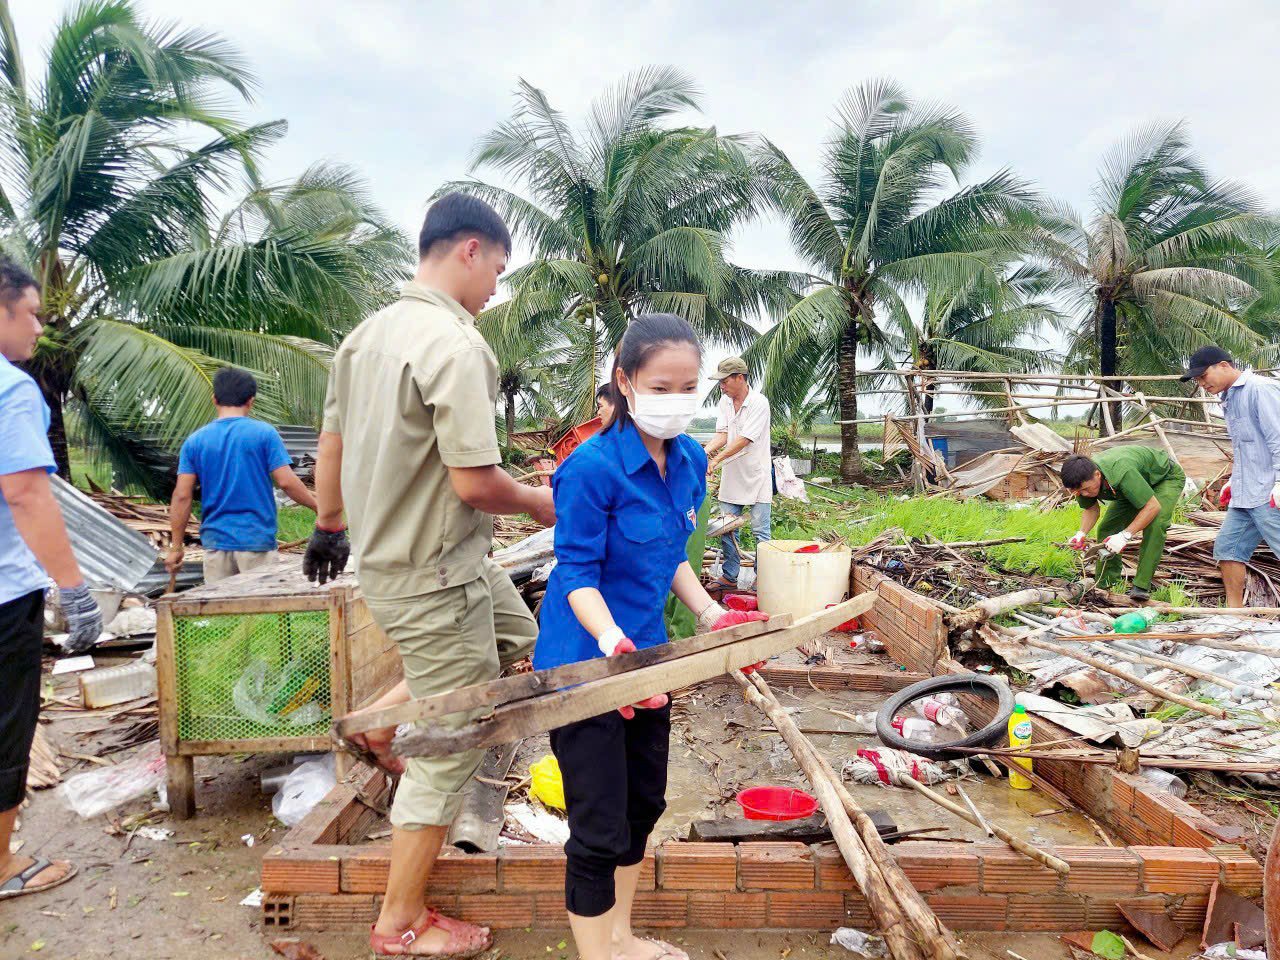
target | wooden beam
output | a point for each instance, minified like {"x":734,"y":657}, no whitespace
{"x":522,"y":686}
{"x":539,"y":714}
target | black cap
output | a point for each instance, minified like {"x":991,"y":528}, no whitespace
{"x":1203,"y":359}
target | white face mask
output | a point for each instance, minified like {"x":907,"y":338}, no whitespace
{"x":663,"y":415}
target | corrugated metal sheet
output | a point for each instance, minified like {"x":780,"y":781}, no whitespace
{"x":300,"y":441}
{"x":110,"y":554}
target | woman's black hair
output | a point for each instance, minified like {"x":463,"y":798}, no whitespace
{"x":645,"y":335}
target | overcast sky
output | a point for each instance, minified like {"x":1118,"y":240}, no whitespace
{"x":401,"y":89}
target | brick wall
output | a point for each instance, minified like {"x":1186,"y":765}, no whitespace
{"x":910,"y":625}
{"x":783,"y":885}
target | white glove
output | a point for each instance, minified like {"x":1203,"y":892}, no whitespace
{"x":84,"y":619}
{"x":709,"y":615}
{"x":609,"y":640}
{"x":1117,"y":541}
{"x":1275,"y":495}
{"x":1077,"y":540}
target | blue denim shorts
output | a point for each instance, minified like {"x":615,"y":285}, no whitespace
{"x":1244,"y":529}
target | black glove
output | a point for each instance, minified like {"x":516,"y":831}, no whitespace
{"x":84,"y":619}
{"x":326,"y":556}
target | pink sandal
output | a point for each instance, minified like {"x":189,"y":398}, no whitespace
{"x":455,"y":948}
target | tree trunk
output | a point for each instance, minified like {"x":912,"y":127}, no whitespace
{"x":510,"y":409}
{"x":847,"y":372}
{"x":1108,"y":349}
{"x":54,"y":384}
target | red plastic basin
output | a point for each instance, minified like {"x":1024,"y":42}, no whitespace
{"x":741,"y":601}
{"x":776,"y":803}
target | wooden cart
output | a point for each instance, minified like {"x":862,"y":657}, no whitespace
{"x":261,"y":663}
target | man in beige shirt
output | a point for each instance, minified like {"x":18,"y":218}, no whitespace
{"x":409,"y":446}
{"x":741,"y":451}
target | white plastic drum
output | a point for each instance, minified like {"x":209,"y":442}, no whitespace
{"x":800,"y":583}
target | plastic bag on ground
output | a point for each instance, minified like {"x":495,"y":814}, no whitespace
{"x":863,"y":944}
{"x":303,"y":789}
{"x":106,"y":788}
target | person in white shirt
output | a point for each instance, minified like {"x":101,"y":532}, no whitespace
{"x":741,"y":448}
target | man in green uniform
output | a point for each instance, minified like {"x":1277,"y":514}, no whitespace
{"x":409,"y":448}
{"x":1143,"y":487}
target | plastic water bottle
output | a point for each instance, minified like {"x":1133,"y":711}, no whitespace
{"x":1165,"y":782}
{"x":943,"y":711}
{"x":915,"y":729}
{"x":1019,"y":737}
{"x":1136,"y":621}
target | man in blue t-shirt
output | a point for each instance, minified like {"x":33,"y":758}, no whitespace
{"x":34,"y":548}
{"x":235,"y":458}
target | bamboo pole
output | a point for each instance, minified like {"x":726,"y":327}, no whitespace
{"x":1213,"y":643}
{"x":911,"y":930}
{"x":1268,"y":612}
{"x":1154,"y":659}
{"x":1055,"y":864}
{"x":1105,"y":667}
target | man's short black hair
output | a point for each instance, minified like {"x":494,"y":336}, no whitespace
{"x":458,"y":215}
{"x":233,"y":387}
{"x":1076,"y":469}
{"x":14,"y":281}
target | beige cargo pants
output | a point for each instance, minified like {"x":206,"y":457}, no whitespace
{"x":449,"y":639}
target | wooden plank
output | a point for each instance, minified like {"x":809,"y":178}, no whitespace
{"x":358,"y":615}
{"x":495,"y":693}
{"x":529,"y":717}
{"x":204,"y":748}
{"x":378,"y":675}
{"x":843,"y":678}
{"x":339,"y":657}
{"x":166,"y":681}
{"x":180,"y":780}
{"x":246,"y":606}
{"x":367,"y":644}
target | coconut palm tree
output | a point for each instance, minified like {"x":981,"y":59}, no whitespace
{"x":880,"y":226}
{"x":629,"y":214}
{"x":977,"y":328}
{"x":1170,"y":261}
{"x":145,"y":289}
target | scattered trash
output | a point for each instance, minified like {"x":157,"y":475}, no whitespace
{"x":248,"y":839}
{"x":273,"y":778}
{"x":1229,"y":951}
{"x":789,"y":485}
{"x":1107,"y":944}
{"x":546,"y":784}
{"x":111,"y":685}
{"x":888,"y":767}
{"x":776,"y":803}
{"x":291,"y":948}
{"x":133,"y":622}
{"x":106,"y":788}
{"x":1165,"y":782}
{"x":303,"y":789}
{"x":158,"y":834}
{"x":863,"y":944}
{"x":538,"y":823}
{"x":253,"y":900}
{"x":73,"y":665}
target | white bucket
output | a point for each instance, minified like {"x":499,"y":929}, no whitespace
{"x":800,"y":583}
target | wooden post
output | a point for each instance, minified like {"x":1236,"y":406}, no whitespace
{"x":179,"y":768}
{"x":911,"y":929}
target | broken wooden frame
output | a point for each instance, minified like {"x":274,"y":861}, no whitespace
{"x":527,"y":705}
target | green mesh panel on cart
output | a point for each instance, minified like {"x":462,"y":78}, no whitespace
{"x":252,"y":676}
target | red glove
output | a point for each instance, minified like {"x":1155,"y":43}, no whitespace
{"x":1224,"y":498}
{"x":651,"y":703}
{"x":735,"y":617}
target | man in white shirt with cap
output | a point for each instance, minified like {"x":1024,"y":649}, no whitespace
{"x":741,"y":451}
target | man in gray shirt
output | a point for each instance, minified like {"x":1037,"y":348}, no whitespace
{"x":1251,"y":405}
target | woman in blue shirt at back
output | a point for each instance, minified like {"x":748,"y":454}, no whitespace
{"x":626,"y":502}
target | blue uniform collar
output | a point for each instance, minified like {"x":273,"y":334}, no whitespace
{"x":635,"y":455}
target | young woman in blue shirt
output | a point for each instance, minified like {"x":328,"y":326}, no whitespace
{"x":626,"y":502}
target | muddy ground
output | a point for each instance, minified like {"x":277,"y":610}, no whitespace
{"x":178,"y":898}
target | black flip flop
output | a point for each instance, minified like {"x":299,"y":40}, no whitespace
{"x":17,"y":886}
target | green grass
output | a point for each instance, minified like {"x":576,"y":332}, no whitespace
{"x":295,"y":523}
{"x":948,"y":520}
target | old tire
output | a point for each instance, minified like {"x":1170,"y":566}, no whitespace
{"x":974,"y":683}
